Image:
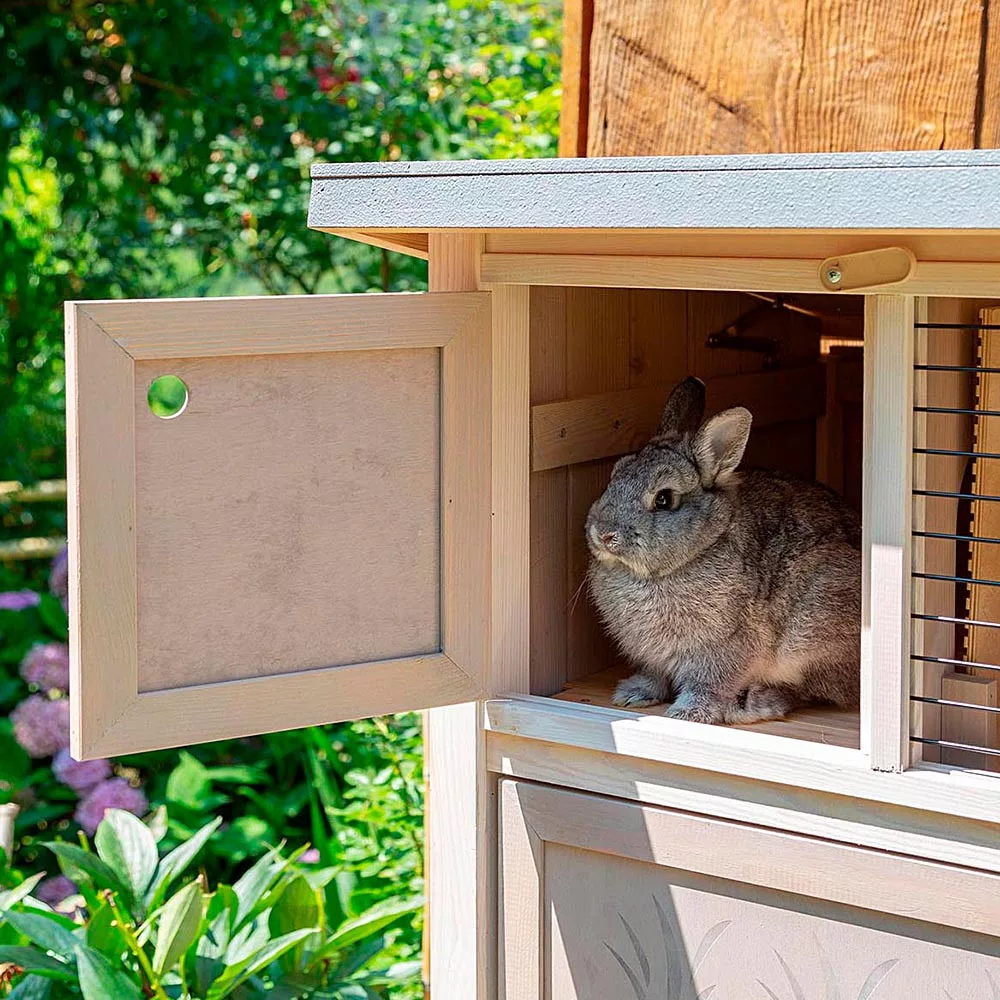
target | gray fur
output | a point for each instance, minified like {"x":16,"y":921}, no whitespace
{"x":744,"y":601}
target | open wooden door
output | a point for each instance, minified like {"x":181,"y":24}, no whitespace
{"x":306,"y":541}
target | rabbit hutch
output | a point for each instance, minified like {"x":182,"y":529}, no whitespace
{"x":374,"y":503}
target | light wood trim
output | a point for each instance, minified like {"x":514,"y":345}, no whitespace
{"x":854,"y":876}
{"x":886,"y":519}
{"x":230,"y":709}
{"x":760,"y":756}
{"x":522,"y":910}
{"x":511,"y":540}
{"x":810,"y":244}
{"x":937,"y":836}
{"x":578,"y":23}
{"x":412,"y":244}
{"x":461,"y":810}
{"x":867,"y":269}
{"x":205,"y":328}
{"x":723,"y":273}
{"x":615,"y":423}
{"x":101,"y":520}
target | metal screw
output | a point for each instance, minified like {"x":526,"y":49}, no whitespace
{"x":834,"y":275}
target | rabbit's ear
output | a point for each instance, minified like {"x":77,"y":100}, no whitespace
{"x":719,"y":445}
{"x":684,"y":408}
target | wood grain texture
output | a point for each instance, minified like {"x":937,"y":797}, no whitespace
{"x":226,"y":327}
{"x":510,"y":464}
{"x":966,"y":725}
{"x":886,"y":526}
{"x":549,"y":575}
{"x":461,"y":802}
{"x":874,"y":880}
{"x":597,"y":359}
{"x":101,"y":530}
{"x":578,"y":23}
{"x":843,"y":818}
{"x":968,"y":279}
{"x":728,"y":76}
{"x":615,"y":423}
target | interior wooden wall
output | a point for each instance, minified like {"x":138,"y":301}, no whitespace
{"x":586,"y":341}
{"x":645,"y":77}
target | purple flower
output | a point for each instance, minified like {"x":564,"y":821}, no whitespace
{"x":115,"y":793}
{"x":54,"y":889}
{"x":18,"y":600}
{"x":309,"y":857}
{"x":59,"y":577}
{"x":80,"y":775}
{"x":47,"y":666}
{"x":41,"y":725}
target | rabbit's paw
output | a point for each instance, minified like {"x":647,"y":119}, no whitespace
{"x":696,"y":710}
{"x":638,"y":691}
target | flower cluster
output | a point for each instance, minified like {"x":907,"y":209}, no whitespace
{"x":41,"y":726}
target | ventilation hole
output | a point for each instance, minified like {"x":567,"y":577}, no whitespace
{"x":167,"y":396}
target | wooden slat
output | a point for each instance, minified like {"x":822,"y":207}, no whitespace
{"x":967,"y":725}
{"x":758,"y":274}
{"x":886,"y":519}
{"x":411,"y":244}
{"x":616,"y":423}
{"x":549,"y":533}
{"x":578,"y":23}
{"x":791,"y":76}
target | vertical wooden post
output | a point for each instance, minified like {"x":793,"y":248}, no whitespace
{"x":461,"y":848}
{"x":886,"y":518}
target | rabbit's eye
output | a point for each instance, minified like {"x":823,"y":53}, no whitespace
{"x":665,"y":500}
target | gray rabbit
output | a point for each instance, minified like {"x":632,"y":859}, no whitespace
{"x":737,"y":594}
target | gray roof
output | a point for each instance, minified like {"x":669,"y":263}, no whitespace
{"x":954,"y":189}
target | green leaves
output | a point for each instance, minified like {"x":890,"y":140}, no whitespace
{"x":78,"y":865}
{"x":43,"y":929}
{"x":129,"y":850}
{"x":178,"y":927}
{"x":33,"y":960}
{"x":171,"y":866}
{"x":99,"y":980}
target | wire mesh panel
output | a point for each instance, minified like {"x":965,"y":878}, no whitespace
{"x":955,"y":648}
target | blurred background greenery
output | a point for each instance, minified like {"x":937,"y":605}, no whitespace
{"x":161,"y":147}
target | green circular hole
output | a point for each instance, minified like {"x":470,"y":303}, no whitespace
{"x":167,"y":396}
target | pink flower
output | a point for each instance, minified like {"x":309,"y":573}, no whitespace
{"x":80,"y":775}
{"x":59,"y":577}
{"x":309,"y":857}
{"x":41,"y":725}
{"x":115,"y":793}
{"x":47,"y":666}
{"x":54,"y":889}
{"x":280,"y":92}
{"x":18,"y":600}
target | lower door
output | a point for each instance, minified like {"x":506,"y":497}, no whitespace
{"x":603,"y":899}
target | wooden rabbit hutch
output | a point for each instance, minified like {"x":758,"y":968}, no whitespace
{"x":433,"y":457}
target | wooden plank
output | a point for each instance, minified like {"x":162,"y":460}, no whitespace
{"x":796,"y":243}
{"x":411,"y":244}
{"x":967,"y":725}
{"x":886,"y":514}
{"x":578,"y":23}
{"x":293,"y":324}
{"x":789,"y":77}
{"x":937,"y":836}
{"x":597,"y":356}
{"x":549,"y":533}
{"x":522,"y":915}
{"x":510,"y":463}
{"x":616,"y":423}
{"x":100,"y":474}
{"x":965,"y":279}
{"x":855,"y":876}
{"x":755,"y":755}
{"x":461,"y":804}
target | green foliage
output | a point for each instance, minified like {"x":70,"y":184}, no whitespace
{"x":265,"y":936}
